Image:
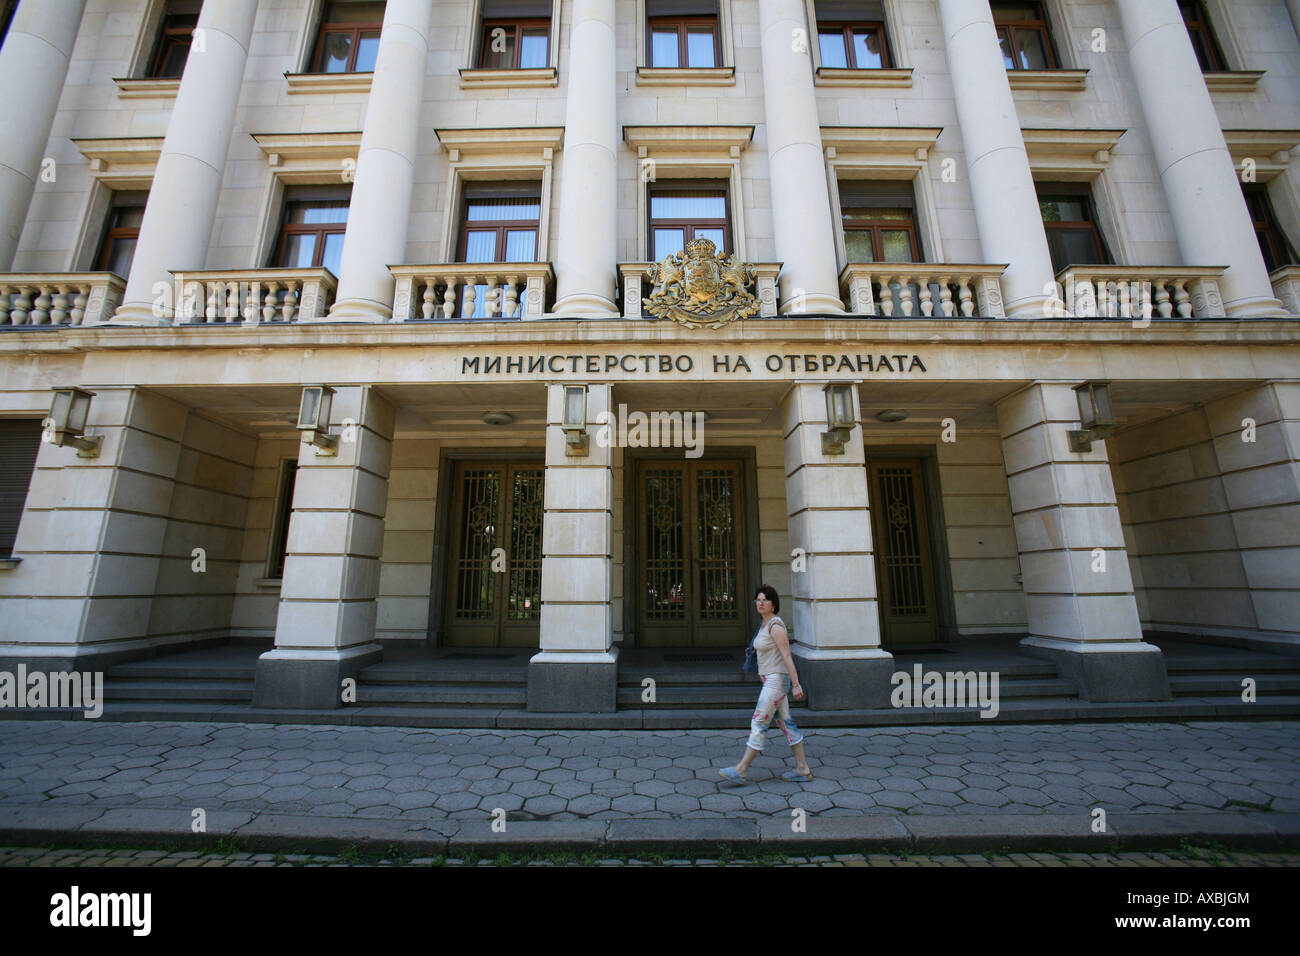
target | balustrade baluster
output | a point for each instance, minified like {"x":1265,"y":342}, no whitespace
{"x":41,"y":313}
{"x":449,"y":298}
{"x":511,"y":310}
{"x":427,"y":300}
{"x":471,"y":296}
{"x":905,"y":294}
{"x":59,"y":312}
{"x":966,"y":296}
{"x":270,"y":301}
{"x":886,"y":297}
{"x":290,"y":304}
{"x":1163,"y":304}
{"x":927,"y":299}
{"x":1182,"y":300}
{"x":22,"y":309}
{"x":945,"y":296}
{"x":4,"y":304}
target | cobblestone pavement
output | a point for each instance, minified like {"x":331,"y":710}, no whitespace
{"x":384,"y":772}
{"x":1199,"y":857}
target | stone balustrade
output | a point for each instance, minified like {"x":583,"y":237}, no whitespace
{"x":1286,"y":286}
{"x":251,"y":296}
{"x":74,"y":298}
{"x":1139,"y":292}
{"x":492,"y":290}
{"x":923,"y":290}
{"x":634,"y":286}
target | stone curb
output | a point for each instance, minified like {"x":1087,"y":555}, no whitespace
{"x":138,"y":827}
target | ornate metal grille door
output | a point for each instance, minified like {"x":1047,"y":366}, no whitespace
{"x":494,"y":597}
{"x":691,"y":560}
{"x":904,"y":571}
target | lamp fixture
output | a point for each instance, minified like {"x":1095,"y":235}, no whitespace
{"x":497,"y":418}
{"x":1095,"y":415}
{"x":891,"y":415}
{"x":577,"y":442}
{"x":839,"y":417}
{"x":66,"y":424}
{"x":314,"y":419}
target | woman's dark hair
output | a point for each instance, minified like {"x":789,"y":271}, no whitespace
{"x":769,"y":592}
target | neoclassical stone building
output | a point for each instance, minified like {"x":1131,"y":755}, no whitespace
{"x":966,"y":220}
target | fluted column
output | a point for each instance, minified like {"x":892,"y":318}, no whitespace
{"x":801,"y":209}
{"x":33,"y":60}
{"x":1210,"y":217}
{"x":1002,"y":186}
{"x":183,"y":197}
{"x":381,"y":191}
{"x":585,"y":262}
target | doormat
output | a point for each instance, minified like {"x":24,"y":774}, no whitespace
{"x":699,"y":658}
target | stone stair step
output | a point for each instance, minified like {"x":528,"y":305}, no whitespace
{"x":1201,"y":684}
{"x":187,"y":690}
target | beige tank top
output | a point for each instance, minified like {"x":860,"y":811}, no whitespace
{"x":770,"y":660}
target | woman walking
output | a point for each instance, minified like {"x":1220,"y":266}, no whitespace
{"x":780,"y":679}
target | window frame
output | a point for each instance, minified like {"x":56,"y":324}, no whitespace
{"x":1041,"y":25}
{"x":169,"y":37}
{"x":278,"y":544}
{"x":119,"y":200}
{"x":1268,"y":229}
{"x":355,"y":29}
{"x":875,"y":226}
{"x":1048,"y":190}
{"x":502,"y":227}
{"x":320,"y":230}
{"x":850,"y":55}
{"x":533,"y":23}
{"x":683,"y":25}
{"x":1203,"y":29}
{"x":689,"y":226}
{"x":11,"y":429}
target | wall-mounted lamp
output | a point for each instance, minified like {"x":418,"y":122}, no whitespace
{"x":839,"y":417}
{"x":1095,"y":415}
{"x":314,"y":419}
{"x":68,"y":415}
{"x":576,"y":441}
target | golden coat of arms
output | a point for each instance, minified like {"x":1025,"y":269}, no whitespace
{"x":698,"y":288}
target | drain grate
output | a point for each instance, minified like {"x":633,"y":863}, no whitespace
{"x":699,"y":658}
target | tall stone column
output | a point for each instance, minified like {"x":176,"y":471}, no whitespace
{"x":1078,"y":587}
{"x":325,"y":631}
{"x":1294,"y":7}
{"x":182,"y":205}
{"x":801,"y":208}
{"x":1211,"y":221}
{"x":585,"y":263}
{"x":33,"y":66}
{"x":1002,"y":186}
{"x":834,"y":615}
{"x":385,"y":176}
{"x":577,"y":667}
{"x":92,"y":539}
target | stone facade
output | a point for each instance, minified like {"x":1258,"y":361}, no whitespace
{"x":961,"y":368}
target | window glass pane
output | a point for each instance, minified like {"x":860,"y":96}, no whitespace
{"x":1032,"y":52}
{"x":499,"y":48}
{"x":699,"y":47}
{"x":866,"y":47}
{"x":668,"y":241}
{"x":318,"y":212}
{"x":714,"y":235}
{"x":481,"y":246}
{"x":857,"y":243}
{"x":334,"y":55}
{"x":1063,"y":209}
{"x":333,"y":252}
{"x":130,"y":217}
{"x":1004,"y":41}
{"x":688,"y":205}
{"x":367,"y":51}
{"x":663,"y":48}
{"x":120,"y":255}
{"x":897,"y":245}
{"x":299,"y":251}
{"x":834,"y":56}
{"x":504,"y":210}
{"x":1080,"y":246}
{"x":173,"y":64}
{"x":533,"y":50}
{"x":521,"y":245}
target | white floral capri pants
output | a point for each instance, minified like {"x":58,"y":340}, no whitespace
{"x":774,"y":700}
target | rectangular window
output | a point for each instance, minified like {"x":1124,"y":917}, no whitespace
{"x":499,"y":223}
{"x":349,"y":37}
{"x":175,"y":34}
{"x":1070,"y":221}
{"x":879,"y":221}
{"x":1201,"y":34}
{"x":20,"y":440}
{"x":311,"y":233}
{"x":1272,"y":241}
{"x":121,"y":233}
{"x":283,"y":511}
{"x":515,"y":35}
{"x":683,"y":33}
{"x":1024,"y":37}
{"x":851,"y":36}
{"x":686,"y":211}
